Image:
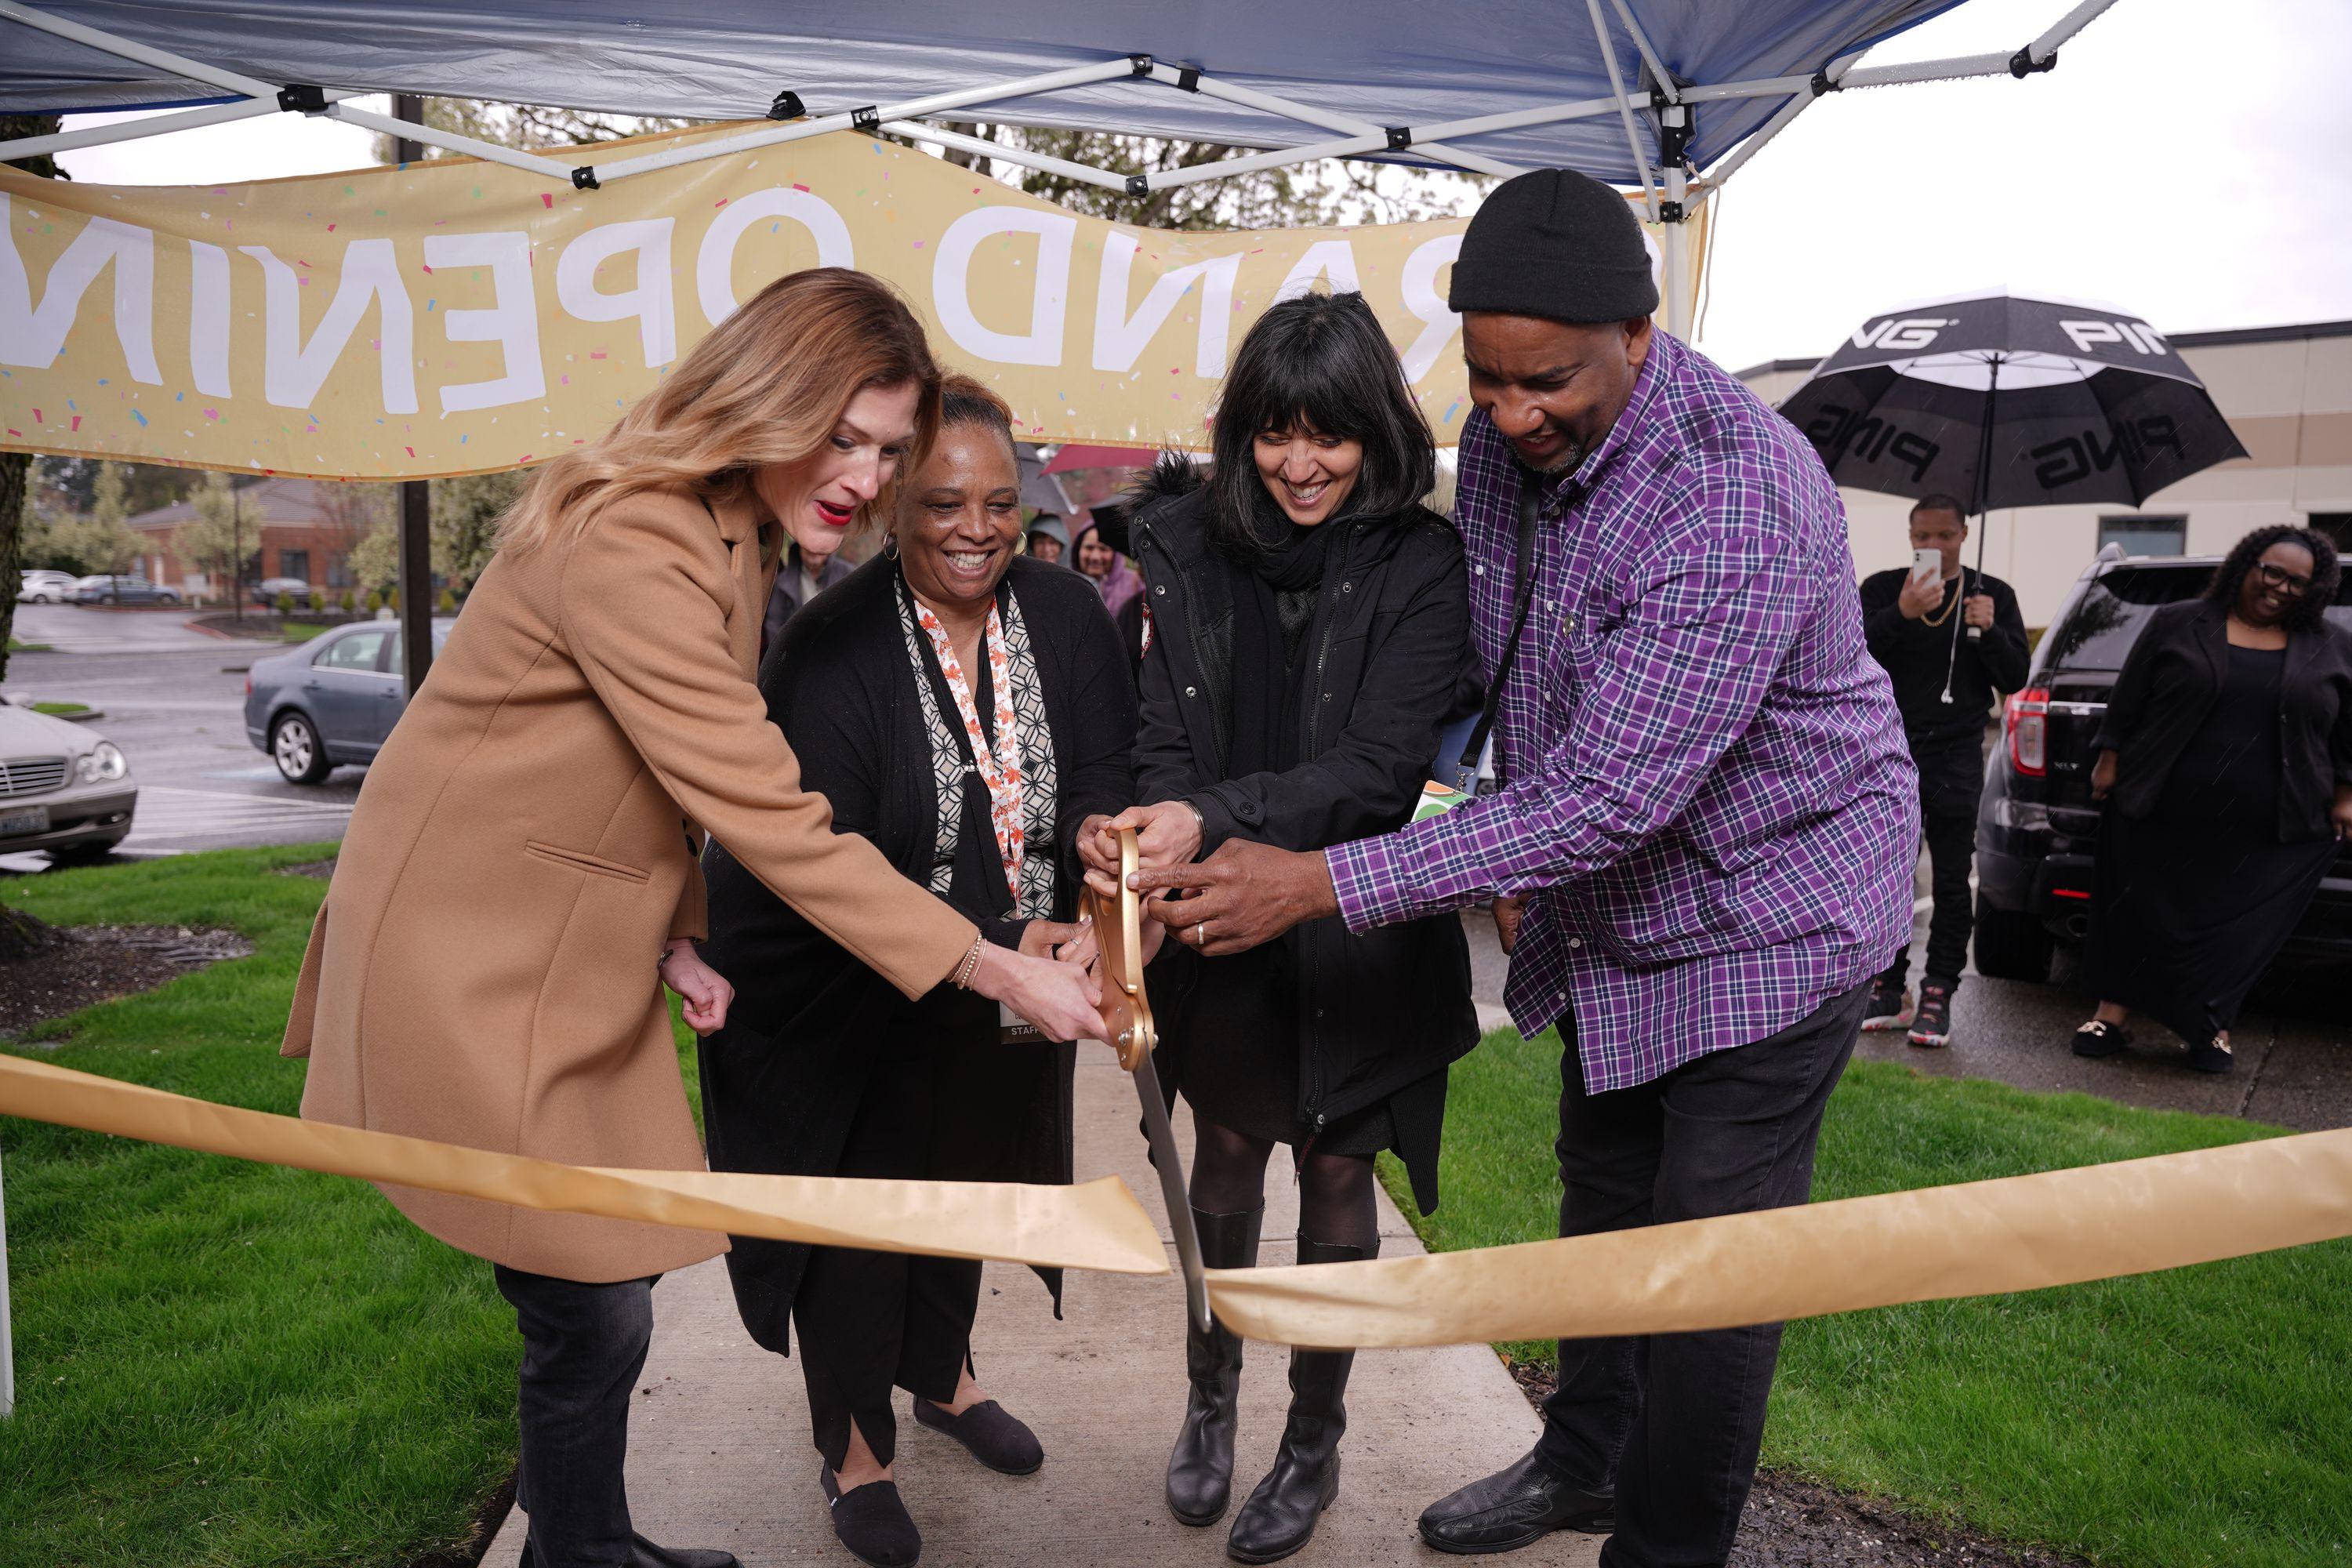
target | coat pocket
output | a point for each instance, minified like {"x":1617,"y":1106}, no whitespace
{"x":581,"y":861}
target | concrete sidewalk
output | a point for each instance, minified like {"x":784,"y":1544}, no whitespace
{"x":719,"y":1453}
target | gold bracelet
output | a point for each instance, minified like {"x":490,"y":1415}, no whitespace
{"x":969,"y":969}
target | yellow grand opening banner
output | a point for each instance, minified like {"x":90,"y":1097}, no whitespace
{"x":453,"y":317}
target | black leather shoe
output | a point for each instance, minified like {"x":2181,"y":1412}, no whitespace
{"x":1201,"y":1466}
{"x":1515,"y":1507}
{"x":994,"y":1435}
{"x":1280,"y":1516}
{"x":644,"y":1554}
{"x":872,"y":1521}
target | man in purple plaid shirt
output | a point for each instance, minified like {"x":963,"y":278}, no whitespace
{"x":1706,"y":812}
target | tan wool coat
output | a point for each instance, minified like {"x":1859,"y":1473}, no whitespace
{"x":483,"y":971}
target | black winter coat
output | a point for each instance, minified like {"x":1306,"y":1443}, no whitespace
{"x":1394,"y":664}
{"x":2173,"y":676}
{"x":782,"y":1082}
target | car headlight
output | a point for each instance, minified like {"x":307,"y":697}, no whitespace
{"x":101,"y":763}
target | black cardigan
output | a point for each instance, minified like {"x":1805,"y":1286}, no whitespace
{"x":1391,"y":637}
{"x":783,"y":1079}
{"x":2169,"y":682}
{"x":1915,"y":655}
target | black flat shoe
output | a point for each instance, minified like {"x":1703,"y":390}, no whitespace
{"x":1513,"y":1508}
{"x":2213,"y":1057}
{"x":2100,"y":1038}
{"x":994,"y":1435}
{"x":644,"y":1554}
{"x":872,"y":1521}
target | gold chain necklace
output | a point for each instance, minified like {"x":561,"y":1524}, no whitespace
{"x":1946,"y":613}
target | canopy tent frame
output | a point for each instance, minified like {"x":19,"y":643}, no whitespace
{"x":1671,"y":190}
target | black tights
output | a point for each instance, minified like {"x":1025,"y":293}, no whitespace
{"x":1335,"y":1191}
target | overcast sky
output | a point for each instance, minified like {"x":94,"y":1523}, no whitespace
{"x":2186,"y":160}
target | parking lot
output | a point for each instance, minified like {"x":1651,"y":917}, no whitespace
{"x":173,"y":698}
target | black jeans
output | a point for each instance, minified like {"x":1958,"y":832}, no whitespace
{"x":1951,"y":784}
{"x":1675,"y":1420}
{"x":582,"y":1347}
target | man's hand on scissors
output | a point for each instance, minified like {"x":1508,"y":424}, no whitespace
{"x":1243,"y":895}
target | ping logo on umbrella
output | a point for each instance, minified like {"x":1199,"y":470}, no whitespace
{"x":2087,"y":335}
{"x":1903,"y":332}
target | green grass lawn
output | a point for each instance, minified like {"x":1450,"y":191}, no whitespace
{"x":60,"y":710}
{"x":15,"y":647}
{"x":218,"y":1362}
{"x":299,"y":631}
{"x":2170,"y":1420}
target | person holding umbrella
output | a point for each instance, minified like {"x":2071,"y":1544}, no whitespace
{"x":1943,"y":683}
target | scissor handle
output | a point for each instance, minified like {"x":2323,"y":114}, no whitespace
{"x":1119,"y":927}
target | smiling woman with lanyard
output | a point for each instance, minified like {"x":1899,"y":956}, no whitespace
{"x":963,"y":707}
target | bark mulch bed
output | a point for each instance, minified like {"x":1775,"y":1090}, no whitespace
{"x":1793,"y":1523}
{"x":46,"y":972}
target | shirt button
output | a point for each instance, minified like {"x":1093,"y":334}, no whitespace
{"x":1192,"y":691}
{"x":1346,"y":587}
{"x":1576,"y":941}
{"x":1479,"y":571}
{"x":1160,"y":589}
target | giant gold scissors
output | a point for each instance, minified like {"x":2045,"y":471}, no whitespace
{"x":1119,"y":928}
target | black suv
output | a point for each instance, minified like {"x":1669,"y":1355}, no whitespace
{"x":2037,"y":828}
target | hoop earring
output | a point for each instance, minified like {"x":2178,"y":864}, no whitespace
{"x":890,"y":545}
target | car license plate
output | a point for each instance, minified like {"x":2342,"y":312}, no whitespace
{"x":24,"y":819}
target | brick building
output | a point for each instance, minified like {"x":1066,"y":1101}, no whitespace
{"x":302,"y":528}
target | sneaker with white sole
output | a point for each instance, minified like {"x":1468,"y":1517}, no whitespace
{"x":1931,"y":1023}
{"x":1890,"y":1005}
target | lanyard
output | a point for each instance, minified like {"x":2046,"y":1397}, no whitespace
{"x":1000,"y":770}
{"x":1523,"y":598}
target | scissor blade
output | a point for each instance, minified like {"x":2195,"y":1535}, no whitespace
{"x":1174,"y":1189}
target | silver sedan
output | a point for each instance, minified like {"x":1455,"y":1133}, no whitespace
{"x":63,"y":788}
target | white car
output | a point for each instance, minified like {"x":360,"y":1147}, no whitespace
{"x":40,"y":586}
{"x":63,"y":788}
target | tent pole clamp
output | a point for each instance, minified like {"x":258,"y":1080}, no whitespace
{"x":1138,"y":185}
{"x":787,"y":106}
{"x":1399,"y":137}
{"x":583,"y":178}
{"x":1670,"y":212}
{"x":1824,"y":83}
{"x":2023,"y":64}
{"x":868,"y":119}
{"x":301,"y":97}
{"x":1677,"y":125}
{"x":1140,"y":65}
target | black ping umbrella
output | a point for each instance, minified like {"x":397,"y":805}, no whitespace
{"x":2008,"y":402}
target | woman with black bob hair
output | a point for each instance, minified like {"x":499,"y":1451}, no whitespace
{"x":2225,"y":761}
{"x":1308,"y":638}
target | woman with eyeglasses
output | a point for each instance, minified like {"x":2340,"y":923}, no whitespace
{"x":2225,"y":760}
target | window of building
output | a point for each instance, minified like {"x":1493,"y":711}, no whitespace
{"x":294,"y":563}
{"x":339,"y":569}
{"x":2145,"y":535}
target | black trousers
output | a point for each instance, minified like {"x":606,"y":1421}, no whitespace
{"x":582,"y":1347}
{"x":1951,"y":785}
{"x":1675,"y":1420}
{"x":872,"y":1321}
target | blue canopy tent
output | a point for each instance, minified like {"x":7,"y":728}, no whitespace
{"x":1672,"y":96}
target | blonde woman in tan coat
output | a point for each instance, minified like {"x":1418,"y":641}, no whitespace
{"x":521,"y":862}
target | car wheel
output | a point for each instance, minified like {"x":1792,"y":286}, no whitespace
{"x":294,"y":747}
{"x":167,"y":598}
{"x":2012,"y":945}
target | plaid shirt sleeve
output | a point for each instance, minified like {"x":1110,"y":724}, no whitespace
{"x":1658,"y":700}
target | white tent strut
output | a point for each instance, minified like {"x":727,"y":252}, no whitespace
{"x":1624,"y":109}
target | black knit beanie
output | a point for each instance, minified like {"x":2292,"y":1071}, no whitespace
{"x":1556,"y":244}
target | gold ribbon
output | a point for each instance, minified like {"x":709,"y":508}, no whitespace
{"x":2018,"y":1233}
{"x":1096,"y":1224}
{"x":1978,"y":1238}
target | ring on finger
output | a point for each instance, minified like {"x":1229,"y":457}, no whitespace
{"x":1200,"y":934}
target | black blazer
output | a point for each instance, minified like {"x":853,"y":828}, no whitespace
{"x":2173,"y":676}
{"x":1379,"y":1011}
{"x":782,"y":1080}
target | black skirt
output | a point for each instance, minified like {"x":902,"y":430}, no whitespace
{"x":2196,"y":898}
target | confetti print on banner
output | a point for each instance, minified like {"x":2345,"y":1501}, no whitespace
{"x":445,"y":300}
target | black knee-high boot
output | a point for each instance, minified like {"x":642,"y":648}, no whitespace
{"x":1200,"y":1466}
{"x":1280,"y":1516}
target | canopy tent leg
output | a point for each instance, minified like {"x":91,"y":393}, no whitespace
{"x":7,"y":1345}
{"x":1679,"y":292}
{"x":416,"y":499}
